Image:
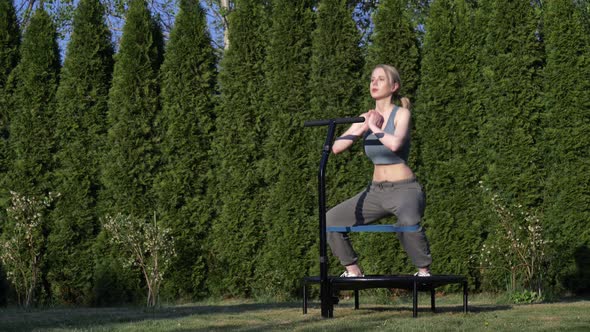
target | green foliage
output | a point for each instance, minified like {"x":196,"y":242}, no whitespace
{"x":507,"y":93}
{"x":289,"y":216}
{"x":526,"y":297}
{"x":9,"y":43}
{"x":114,"y":283}
{"x":235,"y":237}
{"x":395,"y":42}
{"x":61,"y":12}
{"x":566,"y":141}
{"x":81,"y":134}
{"x":183,"y":187}
{"x":131,"y":157}
{"x":448,"y":127}
{"x":511,"y":67}
{"x":32,"y":118}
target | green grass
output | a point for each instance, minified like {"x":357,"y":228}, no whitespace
{"x":487,"y":313}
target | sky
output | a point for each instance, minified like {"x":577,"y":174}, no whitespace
{"x":166,"y":10}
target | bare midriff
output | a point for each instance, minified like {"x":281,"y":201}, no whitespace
{"x":392,"y":173}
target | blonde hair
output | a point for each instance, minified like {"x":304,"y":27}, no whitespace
{"x":393,"y":77}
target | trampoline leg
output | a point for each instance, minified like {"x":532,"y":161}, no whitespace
{"x":304,"y":297}
{"x":415,"y":300}
{"x":432,"y":300}
{"x":356,"y":299}
{"x":465,"y":296}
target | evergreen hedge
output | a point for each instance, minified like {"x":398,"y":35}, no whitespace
{"x":511,"y":68}
{"x":511,"y":82}
{"x":236,"y":236}
{"x":9,"y":43}
{"x":448,"y":127}
{"x":33,"y":113}
{"x":289,"y":219}
{"x":131,"y":149}
{"x":183,"y":186}
{"x":81,"y":134}
{"x":32,"y":122}
{"x":395,"y":42}
{"x":567,"y":137}
{"x":131,"y":158}
{"x":9,"y":58}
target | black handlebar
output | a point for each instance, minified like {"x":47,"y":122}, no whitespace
{"x":326,"y":122}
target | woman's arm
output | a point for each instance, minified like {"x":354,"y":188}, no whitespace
{"x":402,"y":128}
{"x":354,"y":132}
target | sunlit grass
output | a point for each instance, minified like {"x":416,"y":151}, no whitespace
{"x":487,"y":313}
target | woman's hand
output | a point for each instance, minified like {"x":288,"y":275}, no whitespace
{"x":364,"y":126}
{"x":354,"y":132}
{"x":374,"y":120}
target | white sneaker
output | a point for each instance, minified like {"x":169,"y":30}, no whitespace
{"x":347,"y":274}
{"x":422,"y":274}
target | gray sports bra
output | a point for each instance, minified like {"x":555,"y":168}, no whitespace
{"x":379,"y":153}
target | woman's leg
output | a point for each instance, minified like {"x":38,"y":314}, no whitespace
{"x":358,"y":210}
{"x":408,"y":203}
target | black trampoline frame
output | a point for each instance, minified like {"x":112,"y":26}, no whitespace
{"x":414,"y":283}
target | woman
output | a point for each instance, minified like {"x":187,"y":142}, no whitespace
{"x":394,"y":189}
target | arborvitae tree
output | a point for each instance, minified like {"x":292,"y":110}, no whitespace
{"x":131,"y":159}
{"x":32,"y":118}
{"x":9,"y":40}
{"x":80,"y":133}
{"x":336,"y":90}
{"x":235,"y":236}
{"x":9,"y":43}
{"x":188,"y":91}
{"x":290,"y":213}
{"x":511,"y":67}
{"x":395,"y":42}
{"x":448,"y":127}
{"x":508,"y":92}
{"x":567,"y":137}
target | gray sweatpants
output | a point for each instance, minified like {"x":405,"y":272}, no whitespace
{"x":404,"y":199}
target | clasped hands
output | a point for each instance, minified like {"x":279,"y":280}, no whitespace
{"x":373,"y":120}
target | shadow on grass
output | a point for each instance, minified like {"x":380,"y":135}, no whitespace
{"x":403,"y":308}
{"x":16,"y":319}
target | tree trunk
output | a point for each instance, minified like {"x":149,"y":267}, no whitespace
{"x":225,"y":10}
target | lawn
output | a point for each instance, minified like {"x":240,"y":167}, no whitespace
{"x":487,"y":313}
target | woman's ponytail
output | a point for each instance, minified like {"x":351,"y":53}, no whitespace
{"x":405,"y":102}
